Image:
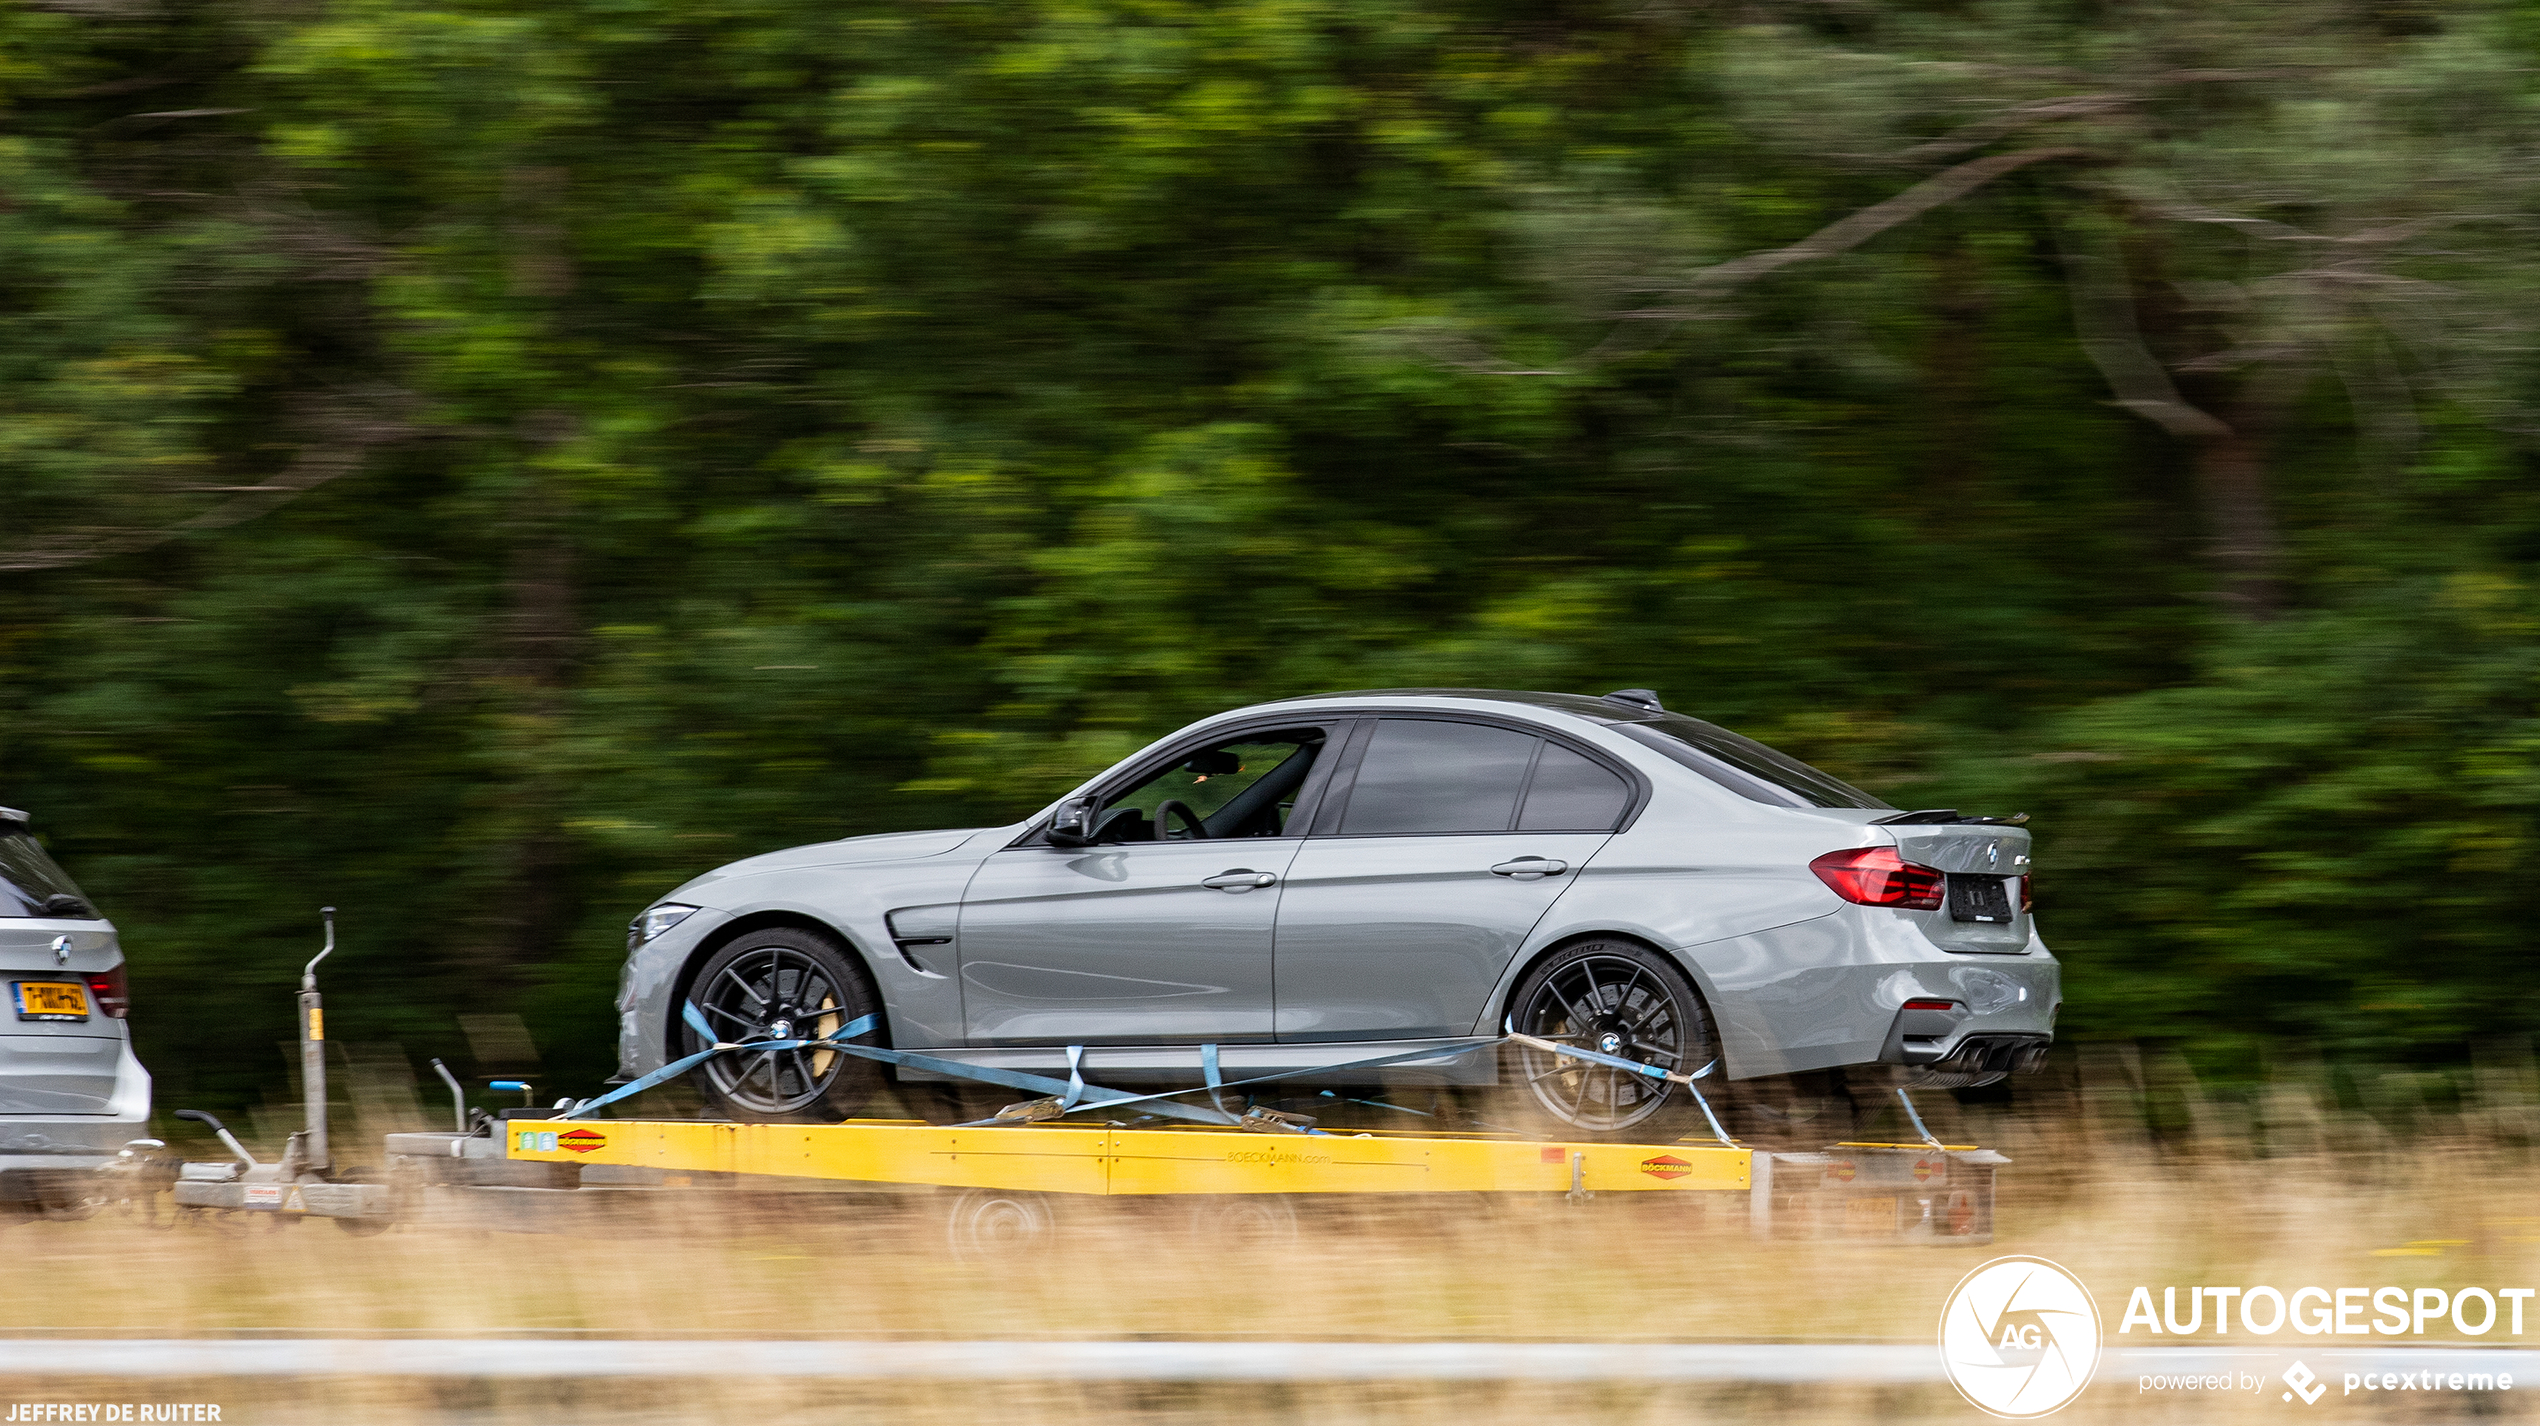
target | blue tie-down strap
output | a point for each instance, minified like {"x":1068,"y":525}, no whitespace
{"x":1637,"y":1067}
{"x":1073,"y":1092}
{"x":862,"y":1024}
{"x":1208,"y":1075}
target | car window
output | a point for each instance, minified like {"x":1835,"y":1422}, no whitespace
{"x":1753,"y":771}
{"x":30,"y":884}
{"x":1243,"y":788}
{"x":1571,"y":793}
{"x":1423,"y":775}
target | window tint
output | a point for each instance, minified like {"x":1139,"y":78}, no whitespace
{"x":1572,"y":794}
{"x":1753,"y":771}
{"x":1424,"y":776}
{"x":31,"y":885}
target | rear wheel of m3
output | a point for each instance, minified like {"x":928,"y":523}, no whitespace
{"x":782,"y":983}
{"x":1619,"y":998}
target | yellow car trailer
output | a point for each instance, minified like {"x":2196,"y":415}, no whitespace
{"x":1911,"y":1192}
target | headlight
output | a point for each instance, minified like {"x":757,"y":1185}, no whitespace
{"x":655,"y":921}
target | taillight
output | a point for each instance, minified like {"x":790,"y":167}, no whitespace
{"x":106,"y":987}
{"x":2028,"y":895}
{"x":1877,"y":876}
{"x":1931,"y":1004}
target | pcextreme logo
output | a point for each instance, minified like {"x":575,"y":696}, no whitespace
{"x":2019,"y":1338}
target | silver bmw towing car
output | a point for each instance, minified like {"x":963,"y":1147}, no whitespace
{"x":1350,"y":876}
{"x":71,"y":1093}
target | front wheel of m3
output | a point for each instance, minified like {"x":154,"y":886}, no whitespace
{"x":782,"y":983}
{"x":1619,"y":998}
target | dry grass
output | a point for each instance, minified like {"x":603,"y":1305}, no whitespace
{"x":2339,"y":1202}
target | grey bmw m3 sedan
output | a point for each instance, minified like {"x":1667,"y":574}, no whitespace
{"x":1324,"y":880}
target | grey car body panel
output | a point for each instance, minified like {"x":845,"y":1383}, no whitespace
{"x":1384,"y":938}
{"x":1120,"y":944}
{"x":1796,"y":978}
{"x":71,"y":1092}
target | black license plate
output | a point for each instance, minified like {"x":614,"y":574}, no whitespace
{"x":1980,"y":898}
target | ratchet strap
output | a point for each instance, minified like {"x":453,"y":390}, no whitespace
{"x":1073,"y":1091}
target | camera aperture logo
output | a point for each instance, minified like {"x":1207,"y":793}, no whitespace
{"x":2019,"y":1338}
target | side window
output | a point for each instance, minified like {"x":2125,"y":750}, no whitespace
{"x":1243,"y":788}
{"x":1571,"y":794}
{"x":1424,"y":776}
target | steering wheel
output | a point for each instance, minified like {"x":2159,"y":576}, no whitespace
{"x":1104,"y":824}
{"x":1198,"y":830}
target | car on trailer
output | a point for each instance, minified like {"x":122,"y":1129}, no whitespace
{"x":1318,"y":881}
{"x":72,"y":1095}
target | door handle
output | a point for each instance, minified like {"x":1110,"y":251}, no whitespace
{"x":1531,"y":868}
{"x":1242,"y":878}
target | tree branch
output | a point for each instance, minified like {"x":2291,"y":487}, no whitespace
{"x":1637,"y":331}
{"x":2103,"y":320}
{"x":1851,"y":231}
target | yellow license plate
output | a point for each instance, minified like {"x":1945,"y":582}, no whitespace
{"x":52,"y":1000}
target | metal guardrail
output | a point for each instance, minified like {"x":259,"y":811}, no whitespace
{"x":974,"y":1361}
{"x":1782,"y":1363}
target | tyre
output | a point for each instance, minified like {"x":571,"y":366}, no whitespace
{"x":1620,"y":998}
{"x":1242,"y":1220}
{"x":777,"y":984}
{"x":990,"y":1223}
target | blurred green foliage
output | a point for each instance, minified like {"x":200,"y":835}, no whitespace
{"x":477,"y":465}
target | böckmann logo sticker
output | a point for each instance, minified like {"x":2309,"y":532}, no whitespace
{"x":1665,"y":1166}
{"x":581,"y":1141}
{"x":2019,"y":1337}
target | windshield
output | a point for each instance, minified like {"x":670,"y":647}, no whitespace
{"x":31,"y":885}
{"x":1753,"y":771}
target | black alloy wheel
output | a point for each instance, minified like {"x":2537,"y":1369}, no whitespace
{"x":782,"y":984}
{"x":1618,"y":998}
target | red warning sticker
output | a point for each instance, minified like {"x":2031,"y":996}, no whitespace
{"x":1665,"y":1166}
{"x":581,"y":1141}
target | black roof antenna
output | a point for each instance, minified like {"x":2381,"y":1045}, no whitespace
{"x":1637,"y":698}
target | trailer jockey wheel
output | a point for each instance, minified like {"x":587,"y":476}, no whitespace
{"x":988,"y":1223}
{"x":1244,"y":1220}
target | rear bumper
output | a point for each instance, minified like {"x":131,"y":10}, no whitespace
{"x":1831,"y":992}
{"x":36,"y":1143}
{"x":67,"y":1143}
{"x":53,"y":1162}
{"x":1967,"y":1051}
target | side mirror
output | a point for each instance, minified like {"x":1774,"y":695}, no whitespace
{"x":1073,"y":824}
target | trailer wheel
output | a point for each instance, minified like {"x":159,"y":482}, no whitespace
{"x":783,"y":982}
{"x":1243,"y":1220}
{"x":996,"y":1222}
{"x":1618,"y":998}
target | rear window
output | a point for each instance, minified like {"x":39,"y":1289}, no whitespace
{"x":31,"y":885}
{"x":1743,"y":765}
